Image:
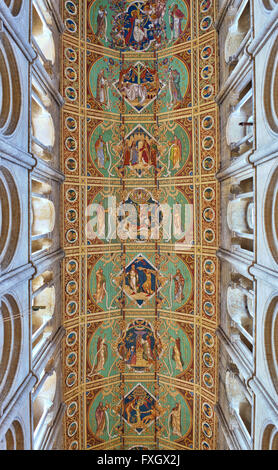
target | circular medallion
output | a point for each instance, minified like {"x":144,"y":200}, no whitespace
{"x":205,"y":5}
{"x":71,"y":124}
{"x":71,"y":359}
{"x":209,"y":235}
{"x":207,"y":92}
{"x":71,"y":7}
{"x":73,"y":445}
{"x":71,"y":339}
{"x":70,"y":25}
{"x":208,"y":194}
{"x":71,"y":287}
{"x":208,"y":340}
{"x":71,"y":93}
{"x":71,"y":164}
{"x":72,"y":429}
{"x":209,"y":214}
{"x":208,"y":380}
{"x":205,"y":445}
{"x":208,"y":309}
{"x":71,"y":74}
{"x":208,"y":360}
{"x":71,"y":144}
{"x":206,"y":23}
{"x":71,"y":236}
{"x":206,"y":72}
{"x":207,"y":410}
{"x":207,"y":123}
{"x":207,"y":430}
{"x":70,"y":54}
{"x":71,"y":379}
{"x":208,"y":163}
{"x":71,"y":215}
{"x":71,"y":195}
{"x":71,"y":308}
{"x":209,"y":287}
{"x":72,"y":266}
{"x":208,"y":143}
{"x":72,"y":409}
{"x":209,"y":266}
{"x":206,"y":52}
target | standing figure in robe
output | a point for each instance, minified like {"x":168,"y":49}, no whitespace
{"x":176,"y":419}
{"x":100,"y":287}
{"x":101,"y":354}
{"x":133,"y":279}
{"x":102,"y":24}
{"x":176,"y":153}
{"x":179,"y":286}
{"x":102,"y":95}
{"x":101,"y":151}
{"x":100,"y":418}
{"x":176,"y":17}
{"x":174,"y":87}
{"x":176,"y":354}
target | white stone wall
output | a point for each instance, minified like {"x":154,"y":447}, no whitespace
{"x":248,"y":92}
{"x":24,"y":368}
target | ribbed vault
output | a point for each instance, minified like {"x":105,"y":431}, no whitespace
{"x":140,"y":128}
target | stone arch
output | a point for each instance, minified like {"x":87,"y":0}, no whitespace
{"x":14,"y":437}
{"x":270,"y":438}
{"x":10,"y":89}
{"x":14,"y":6}
{"x":270,"y":340}
{"x":11,"y":218}
{"x":271,"y":215}
{"x":43,"y":36}
{"x":11,"y":340}
{"x":270,"y":84}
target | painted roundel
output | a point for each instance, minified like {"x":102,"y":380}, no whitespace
{"x":71,"y":359}
{"x":208,"y":360}
{"x":206,"y":23}
{"x":71,"y":308}
{"x":71,"y":74}
{"x":73,"y":445}
{"x":209,"y":214}
{"x":209,"y":235}
{"x":71,"y":164}
{"x":209,"y":266}
{"x":207,"y":72}
{"x":71,"y":339}
{"x":71,"y":379}
{"x":208,"y":194}
{"x":72,"y":266}
{"x":72,"y":429}
{"x":207,"y":92}
{"x":207,"y":430}
{"x":72,"y":409}
{"x":71,"y":216}
{"x":71,"y":236}
{"x":71,"y":54}
{"x":206,"y":52}
{"x":71,"y":144}
{"x":71,"y":26}
{"x":208,"y":163}
{"x":207,"y":122}
{"x":71,"y":93}
{"x":208,"y":380}
{"x":71,"y":195}
{"x":205,"y":5}
{"x":71,"y":7}
{"x":208,"y":142}
{"x":209,"y":309}
{"x":209,"y":287}
{"x":71,"y":287}
{"x":207,"y":410}
{"x":208,"y":340}
{"x":71,"y":124}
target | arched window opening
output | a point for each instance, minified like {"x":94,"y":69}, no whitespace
{"x":43,"y":131}
{"x":43,"y":307}
{"x":43,"y":40}
{"x":14,"y":437}
{"x":43,"y":219}
{"x":238,"y":34}
{"x":40,"y":188}
{"x":44,"y":397}
{"x":241,"y":215}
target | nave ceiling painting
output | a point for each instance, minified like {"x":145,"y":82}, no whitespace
{"x":140,"y":125}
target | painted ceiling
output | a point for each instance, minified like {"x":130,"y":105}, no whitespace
{"x":140,"y":126}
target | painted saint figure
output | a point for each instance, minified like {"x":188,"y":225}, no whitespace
{"x":174,"y":87}
{"x":176,"y":153}
{"x":176,"y":419}
{"x":100,"y":418}
{"x":102,"y":95}
{"x":179,"y":286}
{"x":100,"y":287}
{"x":133,"y":279}
{"x":101,"y":354}
{"x":102,"y":24}
{"x":176,"y":17}
{"x":176,"y":354}
{"x":101,"y":151}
